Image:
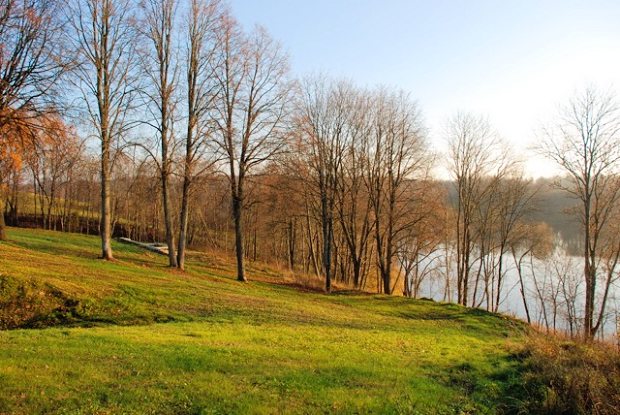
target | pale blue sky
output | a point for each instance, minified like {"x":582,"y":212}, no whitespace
{"x":514,"y":61}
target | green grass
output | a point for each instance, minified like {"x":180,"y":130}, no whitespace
{"x":131,"y":336}
{"x":26,"y":205}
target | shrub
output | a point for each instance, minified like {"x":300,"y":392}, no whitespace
{"x":574,"y":378}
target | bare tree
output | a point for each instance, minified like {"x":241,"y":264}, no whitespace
{"x":609,"y":274}
{"x":31,"y":64}
{"x":556,"y":291}
{"x":54,"y":151}
{"x":419,"y":249}
{"x":353,"y":205}
{"x":397,"y":157}
{"x":473,"y":159}
{"x":514,"y":198}
{"x":32,"y":60}
{"x":321,"y":126}
{"x":529,"y":241}
{"x":253,"y":91}
{"x":103,"y":37}
{"x":202,"y":21}
{"x":16,"y":140}
{"x":160,"y":67}
{"x":585,"y":145}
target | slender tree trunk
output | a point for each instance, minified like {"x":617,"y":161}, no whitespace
{"x":34,"y":186}
{"x":51,"y":203}
{"x":499,"y":278}
{"x":2,"y":224}
{"x":460,"y":248}
{"x":183,"y":225}
{"x":379,"y":243}
{"x":159,"y":18}
{"x":465,"y":269}
{"x":255,"y":245}
{"x":327,"y":244}
{"x":165,"y":189}
{"x":357,"y":272}
{"x":192,"y":74}
{"x":238,"y":219}
{"x":172,"y":258}
{"x":590,"y":329}
{"x":105,"y":221}
{"x":311,"y":242}
{"x":390,"y":236}
{"x":588,"y":272}
{"x":291,"y":244}
{"x":610,"y":275}
{"x":15,"y":200}
{"x":522,"y":285}
{"x":387,"y":270}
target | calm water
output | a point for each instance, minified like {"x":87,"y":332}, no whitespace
{"x":558,"y":277}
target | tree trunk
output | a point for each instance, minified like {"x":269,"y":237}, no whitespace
{"x":291,"y":244}
{"x":311,"y":243}
{"x":2,"y":225}
{"x":105,"y":221}
{"x":588,"y":271}
{"x":522,"y":285}
{"x":327,"y":254}
{"x":499,"y":278}
{"x":238,"y":219}
{"x":357,"y":272}
{"x":172,"y":258}
{"x":183,"y":223}
{"x":465,"y":269}
{"x":327,"y":228}
{"x":387,"y":283}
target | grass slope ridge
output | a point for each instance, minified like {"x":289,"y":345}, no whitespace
{"x":229,"y":347}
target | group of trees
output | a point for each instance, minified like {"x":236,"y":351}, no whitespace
{"x":228,"y":88}
{"x":30,"y":66}
{"x":585,"y":145}
{"x":204,"y":139}
{"x":191,"y":66}
{"x":491,"y":205}
{"x":365,"y":163}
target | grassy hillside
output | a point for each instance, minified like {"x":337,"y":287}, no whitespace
{"x":131,"y":336}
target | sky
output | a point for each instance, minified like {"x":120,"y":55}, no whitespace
{"x":513,"y":61}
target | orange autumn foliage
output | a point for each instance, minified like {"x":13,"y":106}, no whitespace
{"x":19,"y":140}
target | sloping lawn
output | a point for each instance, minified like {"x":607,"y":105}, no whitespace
{"x":130,"y":336}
